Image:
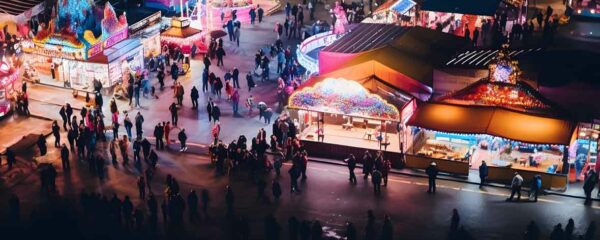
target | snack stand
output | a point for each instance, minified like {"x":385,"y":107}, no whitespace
{"x":501,"y":120}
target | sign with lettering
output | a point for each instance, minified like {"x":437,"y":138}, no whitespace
{"x":150,"y":20}
{"x":95,"y":49}
{"x":115,"y":38}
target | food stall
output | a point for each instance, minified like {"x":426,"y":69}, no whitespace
{"x":337,"y":116}
{"x":8,"y":75}
{"x":65,"y":53}
{"x":401,"y":12}
{"x":181,"y":35}
{"x":500,"y":120}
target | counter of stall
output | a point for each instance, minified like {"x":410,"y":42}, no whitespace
{"x":457,"y":153}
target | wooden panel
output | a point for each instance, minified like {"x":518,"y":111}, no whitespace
{"x":340,"y":152}
{"x":448,"y":166}
{"x":505,"y":175}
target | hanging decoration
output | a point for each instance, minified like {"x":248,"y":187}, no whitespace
{"x":340,"y":96}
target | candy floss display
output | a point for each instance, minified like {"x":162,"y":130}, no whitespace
{"x":78,"y":45}
{"x":8,"y":76}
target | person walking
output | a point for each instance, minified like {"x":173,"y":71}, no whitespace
{"x":483,"y":173}
{"x":294,"y":174}
{"x":139,"y":120}
{"x":167,"y":131}
{"x":536,"y":187}
{"x":252,"y":14}
{"x":123,"y":146}
{"x":220,"y":55}
{"x":432,"y":172}
{"x":209,"y":108}
{"x":261,"y":13}
{"x":56,"y":133}
{"x":235,"y":76}
{"x":368,"y":163}
{"x":182,"y":139}
{"x":41,"y":143}
{"x":235,"y":102}
{"x":351,"y":162}
{"x":250,"y":81}
{"x":64,"y":156}
{"x":63,"y":115}
{"x":158,"y":135}
{"x":589,"y":184}
{"x":515,"y":187}
{"x":216,"y":113}
{"x":173,"y":110}
{"x":128,"y":125}
{"x":141,"y":184}
{"x":194,"y":95}
{"x":385,"y":170}
{"x":376,"y":180}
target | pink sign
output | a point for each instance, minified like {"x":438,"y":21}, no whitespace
{"x":93,"y":50}
{"x":115,"y":38}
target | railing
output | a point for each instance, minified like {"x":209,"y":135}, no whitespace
{"x":311,"y":43}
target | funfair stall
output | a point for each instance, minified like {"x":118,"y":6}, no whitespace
{"x":181,"y":35}
{"x":63,"y":53}
{"x":8,"y":75}
{"x":352,"y":110}
{"x":401,"y":12}
{"x":500,"y":120}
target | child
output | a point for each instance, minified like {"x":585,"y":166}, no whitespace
{"x":250,"y":104}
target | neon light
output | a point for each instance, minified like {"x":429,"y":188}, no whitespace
{"x":340,"y":96}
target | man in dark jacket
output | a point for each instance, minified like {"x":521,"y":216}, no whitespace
{"x":376,"y":179}
{"x":194,"y":95}
{"x":63,"y":115}
{"x":182,"y":139}
{"x":209,"y":109}
{"x":351,"y":161}
{"x":139,"y":120}
{"x":432,"y":172}
{"x":158,"y":134}
{"x":235,"y":76}
{"x":368,"y":163}
{"x":216,"y":113}
{"x":146,"y":148}
{"x":220,"y":55}
{"x":173,"y":110}
{"x":64,"y":156}
{"x":260,"y":12}
{"x":483,"y":173}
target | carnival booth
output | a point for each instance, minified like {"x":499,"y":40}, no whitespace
{"x":8,"y":75}
{"x":500,"y":120}
{"x":144,"y":23}
{"x":181,"y":35}
{"x":453,"y":16}
{"x":336,"y":116}
{"x":401,"y":12}
{"x":65,"y":53}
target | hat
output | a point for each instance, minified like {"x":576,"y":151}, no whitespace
{"x":433,"y":164}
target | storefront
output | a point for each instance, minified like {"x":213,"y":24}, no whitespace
{"x":181,"y":35}
{"x":500,"y":120}
{"x":57,"y":56}
{"x":148,"y":31}
{"x":584,"y":151}
{"x":401,"y":12}
{"x":8,"y":77}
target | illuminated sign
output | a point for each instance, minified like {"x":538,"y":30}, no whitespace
{"x":152,"y":19}
{"x":115,"y":38}
{"x":93,"y":50}
{"x":180,"y":22}
{"x":408,"y":110}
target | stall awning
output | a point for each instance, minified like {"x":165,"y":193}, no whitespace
{"x":495,"y":121}
{"x":180,"y":32}
{"x":474,"y":7}
{"x":398,"y":6}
